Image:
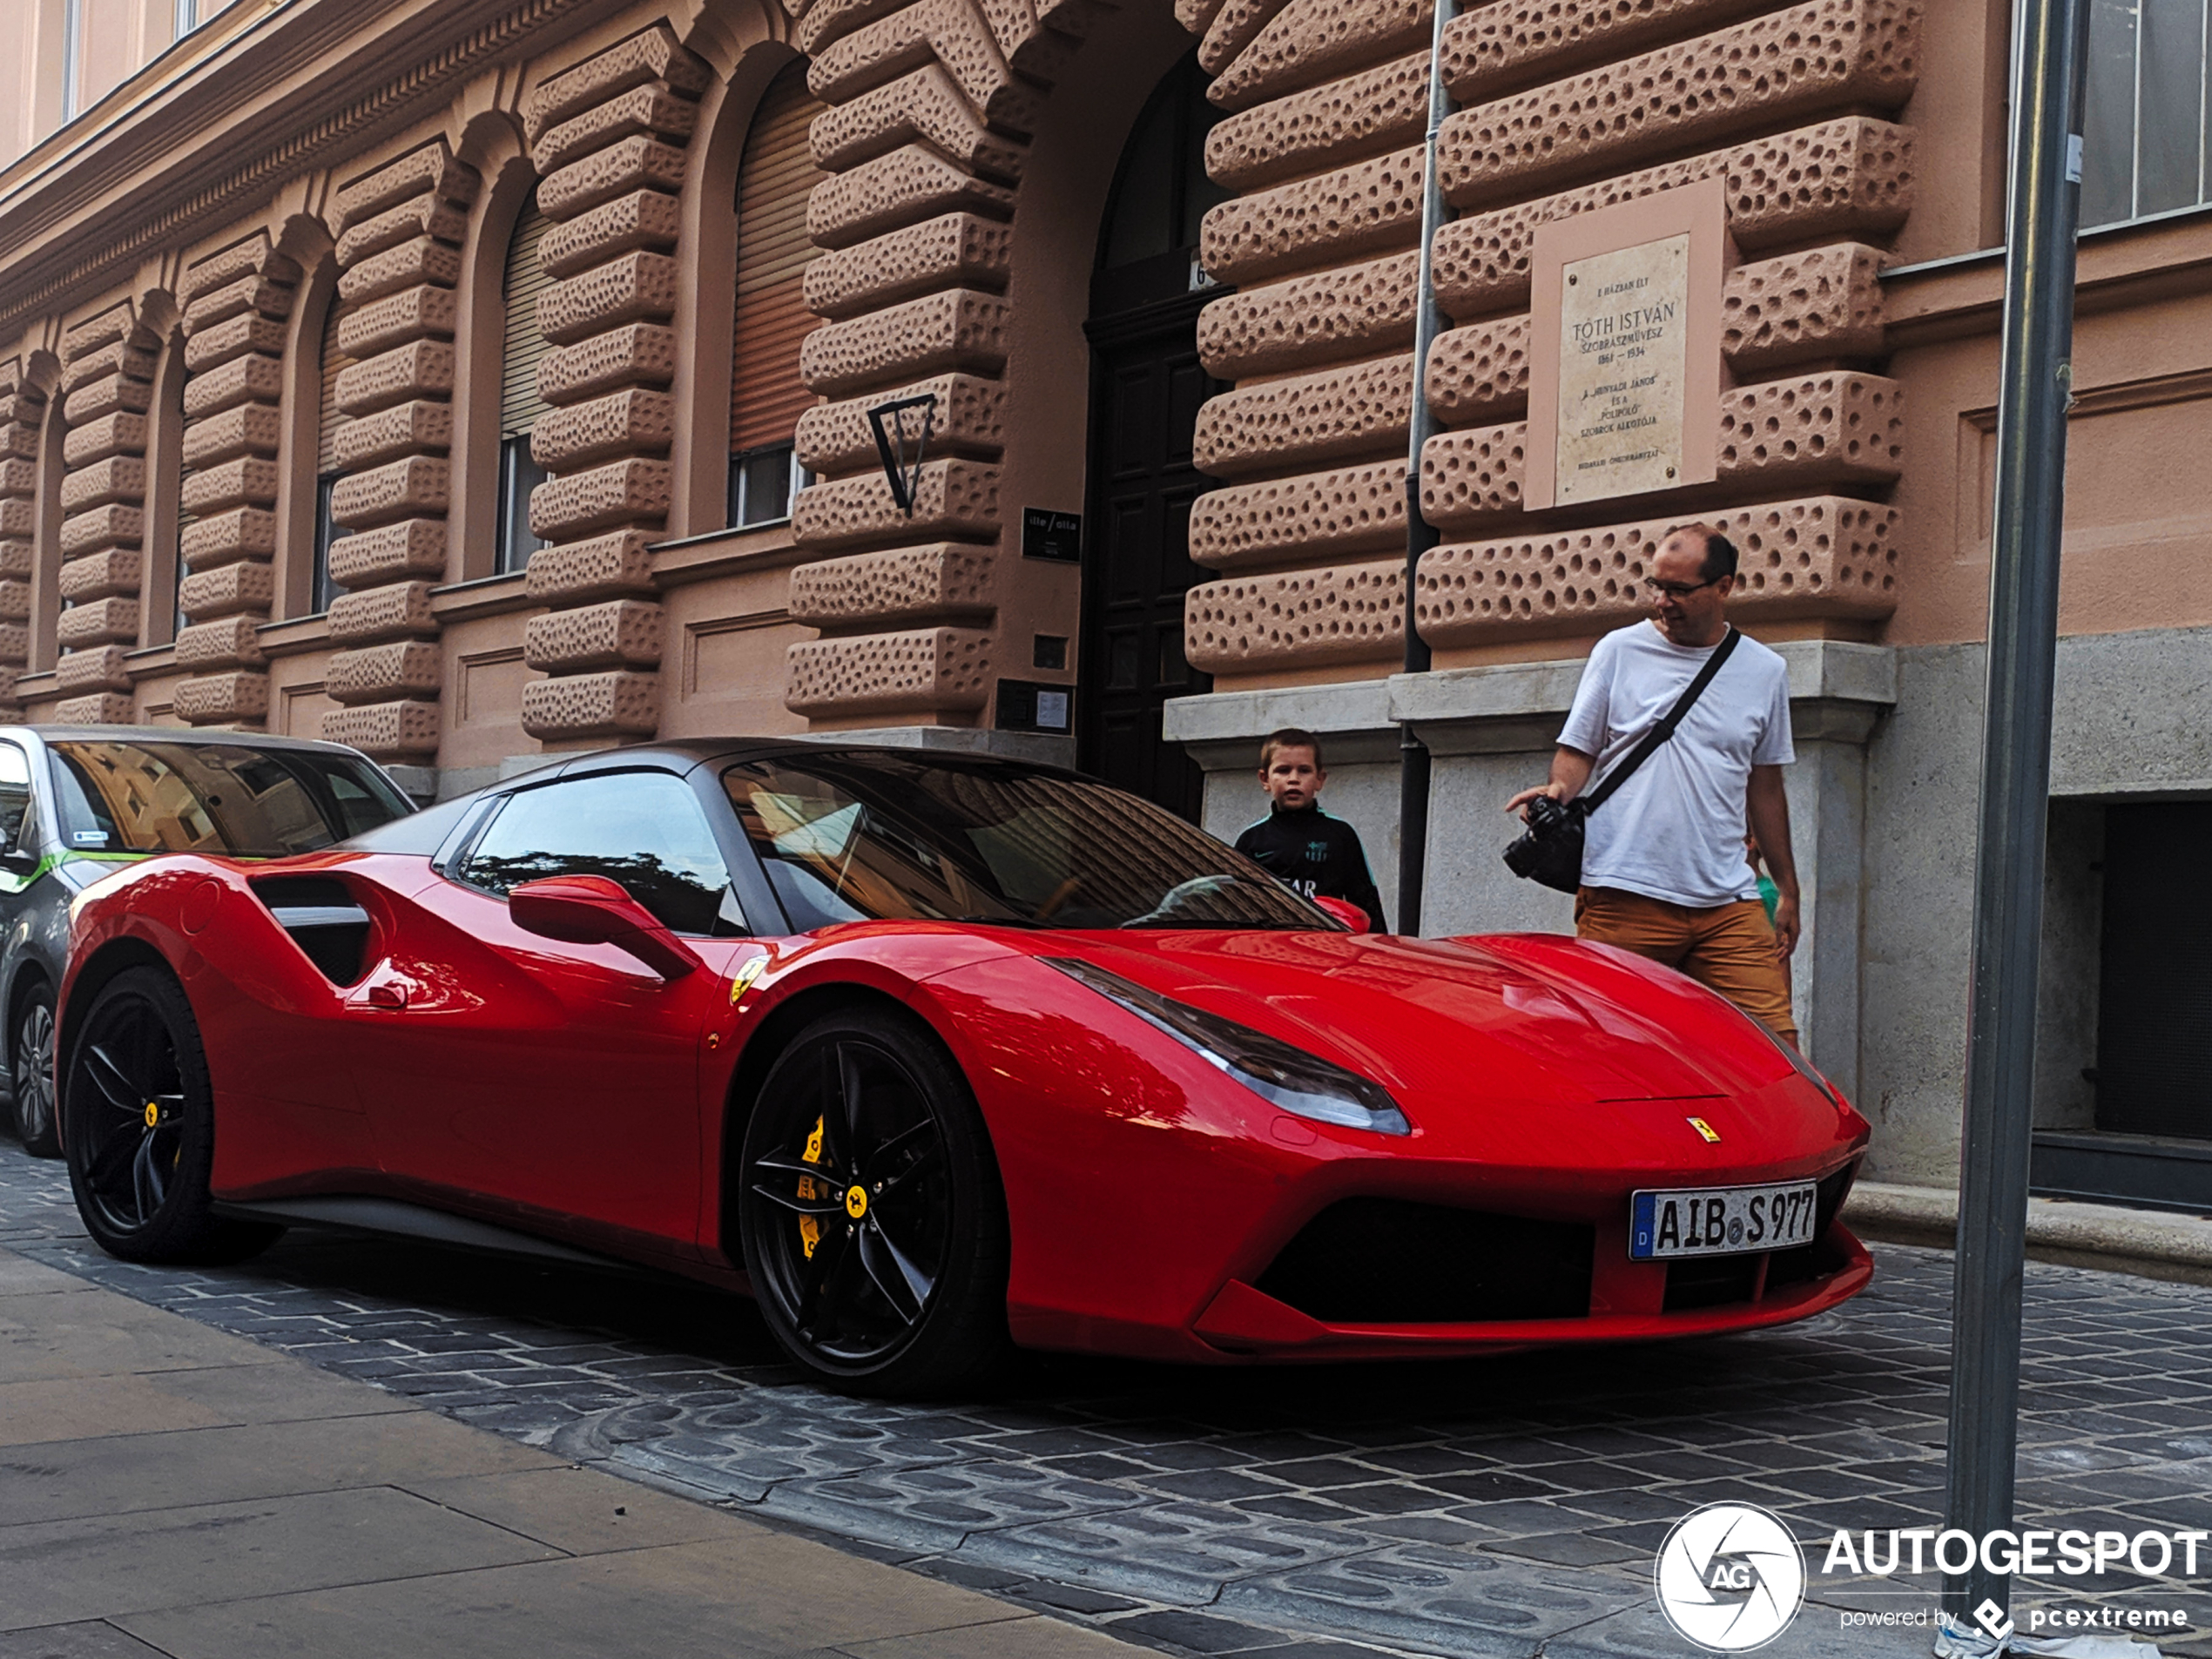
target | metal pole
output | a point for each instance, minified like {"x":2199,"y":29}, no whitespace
{"x":2036,"y":377}
{"x":1420,"y":535}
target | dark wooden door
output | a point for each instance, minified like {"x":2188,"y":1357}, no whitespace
{"x":1147,"y":385}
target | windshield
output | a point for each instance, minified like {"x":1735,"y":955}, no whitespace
{"x":222,"y":797}
{"x":848,"y":838}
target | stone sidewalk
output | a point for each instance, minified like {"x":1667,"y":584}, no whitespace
{"x":168,"y":1489}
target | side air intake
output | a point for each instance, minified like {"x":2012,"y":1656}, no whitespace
{"x":324,"y":919}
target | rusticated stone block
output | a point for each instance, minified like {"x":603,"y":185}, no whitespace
{"x":633,"y":287}
{"x":251,"y":332}
{"x":252,"y":294}
{"x":1495,"y":49}
{"x":17,"y":439}
{"x":118,"y":478}
{"x":606,"y":567}
{"x":1481,"y":372}
{"x":621,"y":633}
{"x":248,"y":481}
{"x":404,"y":429}
{"x":254,"y":379}
{"x":1473,"y":478}
{"x":430,"y":171}
{"x":244,"y":533}
{"x":105,"y":396}
{"x":98,"y":622}
{"x":1823,"y":302}
{"x":826,"y":21}
{"x":604,"y":428}
{"x":950,"y":31}
{"x":254,"y":255}
{"x":119,"y":433}
{"x":18,"y":477}
{"x":114,"y":525}
{"x":15,"y":601}
{"x":608,"y":497}
{"x":1825,"y":556}
{"x":423,"y":369}
{"x":921,"y":670}
{"x":14,"y":649}
{"x":1842,"y":178}
{"x":1334,"y":415}
{"x":650,"y":55}
{"x":128,"y":358}
{"x":1234,"y":28}
{"x":245,"y":588}
{"x":405,"y":668}
{"x":653,"y":109}
{"x":641,"y":354}
{"x":924,"y":107}
{"x":399,"y":611}
{"x":1351,"y":614}
{"x":19,"y":519}
{"x":424,"y":216}
{"x":239,"y":698}
{"x":398,"y":318}
{"x":905,"y":187}
{"x":101,"y":708}
{"x":1382,"y":109}
{"x":969,"y":418}
{"x":954,"y":499}
{"x":246,"y":429}
{"x":208,"y":646}
{"x":957,"y":251}
{"x":1834,"y":428}
{"x":416,"y":487}
{"x":411,"y":265}
{"x":959,"y":330}
{"x":81,"y":339}
{"x":1197,"y":16}
{"x":620,"y":703}
{"x":102,"y":575}
{"x":896,"y":587}
{"x":1363,"y":209}
{"x":634,"y":164}
{"x":1327,"y":515}
{"x":97,"y":669}
{"x":392,"y":553}
{"x":643,"y":218}
{"x":1807,"y":60}
{"x":385,"y":730}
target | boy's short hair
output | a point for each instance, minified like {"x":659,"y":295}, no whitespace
{"x":1290,"y":737}
{"x":1720,"y":552}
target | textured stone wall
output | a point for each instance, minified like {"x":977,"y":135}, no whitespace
{"x":22,"y":415}
{"x":1561,"y":102}
{"x":610,"y":140}
{"x":400,"y":230}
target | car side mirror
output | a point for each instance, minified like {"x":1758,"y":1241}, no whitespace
{"x":1347,"y":912}
{"x":592,"y":910}
{"x":19,"y":860}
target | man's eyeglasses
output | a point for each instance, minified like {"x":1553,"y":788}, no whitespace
{"x":1676,"y":590}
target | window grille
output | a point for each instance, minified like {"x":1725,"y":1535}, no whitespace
{"x":2145,"y":125}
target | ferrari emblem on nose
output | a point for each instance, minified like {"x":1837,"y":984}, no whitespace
{"x":1712,"y":1136}
{"x":856,"y":1203}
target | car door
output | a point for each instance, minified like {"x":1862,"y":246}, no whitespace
{"x":555,"y":1080}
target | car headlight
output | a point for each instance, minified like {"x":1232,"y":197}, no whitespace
{"x":1299,"y":1083}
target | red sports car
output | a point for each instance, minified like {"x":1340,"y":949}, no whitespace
{"x":931,"y":1053}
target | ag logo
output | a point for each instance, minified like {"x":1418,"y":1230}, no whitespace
{"x":1730,"y":1577}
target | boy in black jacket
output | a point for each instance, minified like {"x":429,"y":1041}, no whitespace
{"x":1297,"y":842}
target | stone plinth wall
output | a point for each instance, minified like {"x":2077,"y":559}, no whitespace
{"x":400,"y":230}
{"x":22,"y":412}
{"x":610,"y":141}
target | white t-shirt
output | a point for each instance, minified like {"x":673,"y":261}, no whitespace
{"x":1675,"y":830}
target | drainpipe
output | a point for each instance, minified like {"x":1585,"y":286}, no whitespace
{"x":1420,"y":535}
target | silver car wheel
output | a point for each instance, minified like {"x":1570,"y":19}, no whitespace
{"x":34,"y":1078}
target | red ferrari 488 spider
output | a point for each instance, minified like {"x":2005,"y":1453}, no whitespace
{"x":930,"y":1054}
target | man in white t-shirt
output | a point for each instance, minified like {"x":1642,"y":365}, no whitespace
{"x":1663,"y":869}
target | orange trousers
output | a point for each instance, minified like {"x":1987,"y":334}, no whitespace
{"x":1728,"y":949}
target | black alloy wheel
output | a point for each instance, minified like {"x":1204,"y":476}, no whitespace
{"x":870,"y":1210}
{"x":140,"y":1122}
{"x":31,"y":1075}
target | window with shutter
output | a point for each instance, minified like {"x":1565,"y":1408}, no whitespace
{"x":322,"y":590}
{"x":520,"y":407}
{"x":774,"y":179}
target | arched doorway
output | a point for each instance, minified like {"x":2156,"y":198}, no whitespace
{"x":1147,"y":385}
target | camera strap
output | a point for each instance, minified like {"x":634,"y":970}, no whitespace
{"x":1664,"y":729}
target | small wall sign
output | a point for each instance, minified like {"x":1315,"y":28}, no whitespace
{"x":1029,"y":705}
{"x":1047,"y":535}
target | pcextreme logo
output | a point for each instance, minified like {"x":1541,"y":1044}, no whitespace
{"x":1730,"y":1577}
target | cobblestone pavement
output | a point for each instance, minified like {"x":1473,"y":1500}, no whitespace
{"x":1502,"y":1507}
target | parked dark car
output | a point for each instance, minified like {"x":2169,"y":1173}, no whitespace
{"x":76,"y":801}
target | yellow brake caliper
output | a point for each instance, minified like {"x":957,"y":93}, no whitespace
{"x":810,"y":1230}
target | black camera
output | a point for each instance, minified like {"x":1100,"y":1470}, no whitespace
{"x":1550,"y":853}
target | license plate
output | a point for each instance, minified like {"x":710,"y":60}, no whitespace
{"x":1719,"y":1221}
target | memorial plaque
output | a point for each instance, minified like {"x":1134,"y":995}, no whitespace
{"x":1623,"y":334}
